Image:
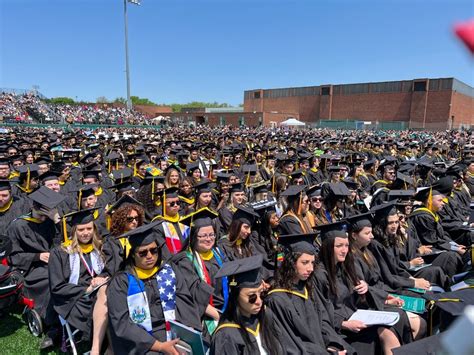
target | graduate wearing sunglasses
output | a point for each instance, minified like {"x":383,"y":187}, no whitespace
{"x":246,"y":327}
{"x":169,"y":228}
{"x":148,"y":294}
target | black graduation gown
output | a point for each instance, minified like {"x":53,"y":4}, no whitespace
{"x":225,"y":219}
{"x":114,"y":255}
{"x":232,"y":253}
{"x":29,"y":239}
{"x":230,"y":341}
{"x":192,"y":299}
{"x":18,"y":208}
{"x":427,"y":231}
{"x":345,"y":303}
{"x":185,"y":265}
{"x":166,"y":253}
{"x":69,"y":300}
{"x":303,"y":323}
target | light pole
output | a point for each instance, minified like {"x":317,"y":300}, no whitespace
{"x":127,"y":69}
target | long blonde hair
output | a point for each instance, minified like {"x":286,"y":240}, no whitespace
{"x":74,"y":247}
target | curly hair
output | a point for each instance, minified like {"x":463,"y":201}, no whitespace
{"x":119,"y":218}
{"x":286,"y":273}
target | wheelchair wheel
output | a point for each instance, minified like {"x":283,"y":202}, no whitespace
{"x":35,"y":324}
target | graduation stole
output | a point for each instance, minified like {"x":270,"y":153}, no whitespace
{"x":189,"y":201}
{"x":25,"y":189}
{"x":31,"y":219}
{"x":173,"y":241}
{"x":255,"y":333}
{"x":299,"y":294}
{"x":424,"y":209}
{"x":74,"y":265}
{"x":7,"y":206}
{"x":137,"y":301}
{"x":203,"y":274}
{"x":126,"y":246}
{"x":99,"y":191}
{"x":303,"y":227}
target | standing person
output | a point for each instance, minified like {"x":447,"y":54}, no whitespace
{"x":246,"y":327}
{"x":75,"y":271}
{"x":33,"y":236}
{"x":147,"y":294}
{"x":294,"y":300}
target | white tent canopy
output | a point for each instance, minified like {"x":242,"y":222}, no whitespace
{"x":292,"y":122}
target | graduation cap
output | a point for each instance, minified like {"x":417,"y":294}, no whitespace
{"x":388,"y":161}
{"x":86,"y":174}
{"x":203,"y":186}
{"x":243,"y":273}
{"x":260,"y":187}
{"x":314,"y":191}
{"x":81,"y":217}
{"x":359,"y":221}
{"x":294,"y":192}
{"x":123,"y":186}
{"x":191,"y":167}
{"x":245,"y":214}
{"x":238,"y":187}
{"x":332,"y":230}
{"x":170,"y":192}
{"x":5,"y":161}
{"x":125,"y":199}
{"x":298,"y":243}
{"x":339,"y":189}
{"x":28,"y":171}
{"x":121,"y":174}
{"x":350,"y":184}
{"x":201,"y":218}
{"x":383,"y":210}
{"x":221,"y":176}
{"x":143,"y":235}
{"x":49,"y":175}
{"x":297,"y":174}
{"x":401,"y":194}
{"x":46,"y":197}
{"x":5,"y":185}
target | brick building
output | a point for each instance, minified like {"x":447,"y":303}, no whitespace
{"x":435,"y":104}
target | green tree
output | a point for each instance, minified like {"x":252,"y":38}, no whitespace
{"x":102,"y":100}
{"x":61,"y":101}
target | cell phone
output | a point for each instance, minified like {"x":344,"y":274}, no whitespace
{"x":184,"y":348}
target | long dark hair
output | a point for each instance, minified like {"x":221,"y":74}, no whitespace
{"x":269,"y":341}
{"x":362,"y":253}
{"x":234,"y":232}
{"x":326,"y":256}
{"x":286,"y":273}
{"x":386,"y":240}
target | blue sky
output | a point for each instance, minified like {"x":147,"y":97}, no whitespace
{"x":213,"y":50}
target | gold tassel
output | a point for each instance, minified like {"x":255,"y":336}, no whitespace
{"x":273,"y":184}
{"x":299,"y":204}
{"x":28,"y":179}
{"x":66,"y":241}
{"x":79,"y":198}
{"x":430,"y":200}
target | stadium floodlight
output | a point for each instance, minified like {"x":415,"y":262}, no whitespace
{"x":127,"y":67}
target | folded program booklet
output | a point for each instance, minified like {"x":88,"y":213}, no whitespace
{"x":369,"y":317}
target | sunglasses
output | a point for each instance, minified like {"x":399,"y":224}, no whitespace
{"x":316,"y":199}
{"x":253,"y":298}
{"x":131,"y":219}
{"x":144,"y":253}
{"x":174,"y":203}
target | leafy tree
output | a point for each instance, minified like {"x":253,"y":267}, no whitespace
{"x":60,"y":101}
{"x":102,"y":100}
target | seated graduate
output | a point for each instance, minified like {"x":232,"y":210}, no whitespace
{"x":387,"y":248}
{"x":33,"y":236}
{"x":75,"y":270}
{"x":186,"y":195}
{"x":293,"y":220}
{"x":87,"y":198}
{"x":242,"y":241}
{"x":11,"y":206}
{"x":168,"y":227}
{"x":338,"y":281}
{"x":236,"y":198}
{"x":246,"y":327}
{"x":202,"y":257}
{"x":126,"y":215}
{"x":302,"y":317}
{"x":360,"y":236}
{"x":148,"y":293}
{"x":425,"y":225}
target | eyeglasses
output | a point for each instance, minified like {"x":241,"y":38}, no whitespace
{"x":316,"y":199}
{"x":253,"y":298}
{"x":131,"y":219}
{"x":210,"y":236}
{"x":144,"y":253}
{"x":174,"y":203}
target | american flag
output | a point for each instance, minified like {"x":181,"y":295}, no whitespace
{"x":167,"y":287}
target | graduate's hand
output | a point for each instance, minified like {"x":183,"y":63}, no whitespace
{"x":425,"y":249}
{"x":167,"y":347}
{"x":361,"y":288}
{"x":353,"y":325}
{"x":96,"y":281}
{"x":461,"y":249}
{"x":44,"y":257}
{"x":394,"y":301}
{"x":422,"y":283}
{"x":338,"y":352}
{"x":417,"y":261}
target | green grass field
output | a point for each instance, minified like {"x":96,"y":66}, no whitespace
{"x":15,"y":338}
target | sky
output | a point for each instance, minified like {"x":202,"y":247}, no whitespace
{"x":212,"y":50}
